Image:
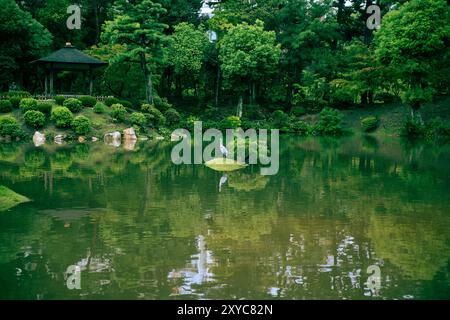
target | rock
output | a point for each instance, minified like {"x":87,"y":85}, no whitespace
{"x":159,"y":138}
{"x":94,"y":139}
{"x":38,"y":139}
{"x":143,"y":138}
{"x":112,"y":138}
{"x":81,"y":139}
{"x":129,"y":134}
{"x":59,"y":138}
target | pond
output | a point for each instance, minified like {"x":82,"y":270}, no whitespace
{"x":139,"y":227}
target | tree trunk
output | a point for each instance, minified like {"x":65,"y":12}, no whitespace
{"x":147,"y":79}
{"x":239,"y":107}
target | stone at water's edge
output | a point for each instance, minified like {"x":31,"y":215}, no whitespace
{"x":129,"y":144}
{"x":113,"y":138}
{"x":129,"y":134}
{"x":38,"y":139}
{"x":81,"y":139}
{"x":224,"y":164}
{"x":94,"y":139}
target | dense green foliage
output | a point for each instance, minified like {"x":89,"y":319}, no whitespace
{"x":87,"y":101}
{"x":27,"y":104}
{"x":62,"y":117}
{"x":5,"y":106}
{"x":99,"y":108}
{"x":73,"y":104}
{"x":9,"y":127}
{"x":329,"y":122}
{"x":118,"y":112}
{"x":295,"y":56}
{"x":369,"y":124}
{"x":81,"y":125}
{"x":138,"y":119}
{"x":34,"y":119}
{"x":44,"y":107}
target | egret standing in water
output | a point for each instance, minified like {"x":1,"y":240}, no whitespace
{"x":223,"y":149}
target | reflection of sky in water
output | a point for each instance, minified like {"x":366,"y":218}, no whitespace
{"x":198,"y":271}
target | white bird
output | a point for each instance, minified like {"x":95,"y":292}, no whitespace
{"x":223,"y":149}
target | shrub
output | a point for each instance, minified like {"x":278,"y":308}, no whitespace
{"x":27,"y":104}
{"x":81,"y":125}
{"x":118,"y":112}
{"x":9,"y":127}
{"x":413,"y":127}
{"x":438,"y":127}
{"x":15,"y":102}
{"x":280,"y":119}
{"x":59,"y":100}
{"x":301,"y":128}
{"x":172,"y":116}
{"x":369,"y":124}
{"x":329,"y":122}
{"x":73,"y":104}
{"x":5,"y":106}
{"x":62,"y":117}
{"x":99,"y":108}
{"x":110,"y":101}
{"x":34,"y":119}
{"x":45,"y":108}
{"x":154,"y":116}
{"x":87,"y":101}
{"x":127,"y":104}
{"x":161,"y":103}
{"x":231,"y":122}
{"x":253,"y":112}
{"x":18,"y":94}
{"x":139,"y":119}
{"x":298,"y":111}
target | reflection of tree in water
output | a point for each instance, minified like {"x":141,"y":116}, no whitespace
{"x":247,"y":182}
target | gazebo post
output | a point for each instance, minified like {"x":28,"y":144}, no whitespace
{"x":91,"y":84}
{"x":51,"y":82}
{"x":45,"y":84}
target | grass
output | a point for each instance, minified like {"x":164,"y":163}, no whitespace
{"x":9,"y":198}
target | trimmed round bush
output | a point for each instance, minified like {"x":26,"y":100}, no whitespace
{"x":231,"y":122}
{"x":88,"y":101}
{"x":62,"y":117}
{"x":34,"y":119}
{"x":15,"y":102}
{"x":301,"y":128}
{"x":139,"y":119}
{"x":27,"y":104}
{"x":161,"y":103}
{"x":99,"y":107}
{"x":81,"y":125}
{"x":118,"y":112}
{"x":45,"y":108}
{"x":329,"y":122}
{"x":154,"y":116}
{"x":172,"y":116}
{"x":9,"y":127}
{"x":298,"y":111}
{"x":369,"y":124}
{"x":127,"y":104}
{"x":5,"y":106}
{"x":59,"y":100}
{"x":19,"y":94}
{"x":110,"y":101}
{"x":73,"y":104}
{"x":280,"y":120}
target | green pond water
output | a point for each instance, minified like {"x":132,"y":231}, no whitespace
{"x":140,"y":227}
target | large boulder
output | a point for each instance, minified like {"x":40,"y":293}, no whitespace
{"x":38,"y":139}
{"x":113,"y":138}
{"x":129,"y":134}
{"x":59,"y":138}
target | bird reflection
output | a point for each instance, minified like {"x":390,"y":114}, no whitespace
{"x":222,"y":181}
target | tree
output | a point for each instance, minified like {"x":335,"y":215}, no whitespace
{"x":136,"y":25}
{"x":248,"y":56}
{"x":22,"y":39}
{"x":186,"y":52}
{"x":413,"y":42}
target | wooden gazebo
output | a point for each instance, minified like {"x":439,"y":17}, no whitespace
{"x":68,"y":59}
